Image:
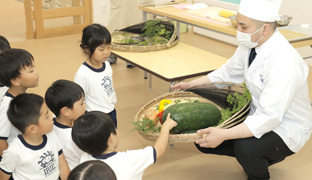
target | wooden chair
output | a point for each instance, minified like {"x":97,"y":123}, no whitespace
{"x":35,"y":16}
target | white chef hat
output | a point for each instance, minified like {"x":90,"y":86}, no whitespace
{"x":262,"y":10}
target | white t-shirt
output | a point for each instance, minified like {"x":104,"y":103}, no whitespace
{"x":277,"y":80}
{"x":7,"y":130}
{"x":71,"y":152}
{"x":3,"y":90}
{"x":98,"y":87}
{"x":25,"y":161}
{"x":129,"y":165}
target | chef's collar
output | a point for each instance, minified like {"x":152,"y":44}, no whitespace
{"x":268,"y":45}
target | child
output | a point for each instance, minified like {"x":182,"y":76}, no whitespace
{"x":4,"y":45}
{"x":36,"y":153}
{"x":66,"y":100}
{"x":95,"y":75}
{"x":92,"y":170}
{"x":95,"y":133}
{"x":17,"y":71}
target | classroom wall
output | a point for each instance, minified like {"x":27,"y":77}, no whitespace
{"x":300,"y":10}
{"x":101,"y":11}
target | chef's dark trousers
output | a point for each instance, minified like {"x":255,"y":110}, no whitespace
{"x":254,"y":155}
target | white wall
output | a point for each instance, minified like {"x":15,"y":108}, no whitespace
{"x":101,"y":11}
{"x":300,"y":10}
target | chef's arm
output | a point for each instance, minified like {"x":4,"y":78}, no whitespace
{"x":238,"y":132}
{"x":201,"y":80}
{"x":213,"y":136}
{"x":190,"y":84}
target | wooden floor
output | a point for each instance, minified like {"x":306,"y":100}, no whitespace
{"x":59,"y":58}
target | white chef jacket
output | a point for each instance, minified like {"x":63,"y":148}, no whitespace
{"x":277,"y":80}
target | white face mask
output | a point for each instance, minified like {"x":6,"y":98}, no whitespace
{"x":245,"y":39}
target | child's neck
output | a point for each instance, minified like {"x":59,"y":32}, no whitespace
{"x":94,"y":64}
{"x":33,"y":139}
{"x":14,"y":90}
{"x":109,"y":150}
{"x":65,"y":121}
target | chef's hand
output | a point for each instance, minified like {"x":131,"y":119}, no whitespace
{"x":212,"y":137}
{"x":181,"y":85}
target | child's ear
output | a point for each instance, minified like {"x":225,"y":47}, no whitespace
{"x":87,"y":50}
{"x":65,"y":111}
{"x":111,"y":138}
{"x":31,"y":129}
{"x":15,"y":81}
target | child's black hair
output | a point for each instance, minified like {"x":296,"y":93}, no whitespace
{"x":2,"y":38}
{"x":93,"y":36}
{"x":24,"y":110}
{"x":4,"y":44}
{"x":92,"y":170}
{"x":91,"y":132}
{"x":62,"y":93}
{"x":11,"y":62}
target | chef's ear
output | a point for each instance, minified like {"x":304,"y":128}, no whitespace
{"x":266,"y":29}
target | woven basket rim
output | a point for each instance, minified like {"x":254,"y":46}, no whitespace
{"x":173,"y":41}
{"x":236,"y":118}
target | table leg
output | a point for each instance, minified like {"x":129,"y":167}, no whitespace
{"x":145,"y":75}
{"x":149,"y":81}
{"x":178,"y":27}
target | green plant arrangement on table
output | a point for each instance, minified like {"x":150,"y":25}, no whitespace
{"x":151,"y":35}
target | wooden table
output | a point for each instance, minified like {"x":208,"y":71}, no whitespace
{"x":180,"y":15}
{"x":174,"y":64}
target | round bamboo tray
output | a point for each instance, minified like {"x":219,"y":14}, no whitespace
{"x":136,"y":48}
{"x":179,"y":138}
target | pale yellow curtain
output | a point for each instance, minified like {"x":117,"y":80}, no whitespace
{"x":124,"y":13}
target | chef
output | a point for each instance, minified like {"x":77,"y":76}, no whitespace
{"x":280,"y":120}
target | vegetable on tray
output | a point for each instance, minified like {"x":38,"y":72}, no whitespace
{"x":193,"y":116}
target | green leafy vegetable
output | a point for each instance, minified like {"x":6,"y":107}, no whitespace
{"x":237,"y":101}
{"x":156,"y":32}
{"x":146,"y":126}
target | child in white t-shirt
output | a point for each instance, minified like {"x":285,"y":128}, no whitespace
{"x":4,"y":45}
{"x":66,"y":100}
{"x":95,"y":75}
{"x":95,"y":133}
{"x":18,"y":72}
{"x":36,"y":153}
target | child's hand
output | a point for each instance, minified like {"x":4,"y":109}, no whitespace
{"x":169,"y":123}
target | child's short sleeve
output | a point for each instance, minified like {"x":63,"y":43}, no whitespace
{"x":81,"y":79}
{"x":5,"y":124}
{"x":143,"y":158}
{"x":9,"y":161}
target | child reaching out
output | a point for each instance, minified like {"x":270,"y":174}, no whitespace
{"x":36,"y":153}
{"x":95,"y":75}
{"x":101,"y":144}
